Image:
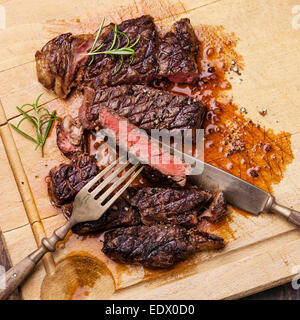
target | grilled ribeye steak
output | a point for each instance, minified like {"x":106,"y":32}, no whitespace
{"x":62,"y":61}
{"x":69,"y":137}
{"x":137,"y":143}
{"x":177,"y":53}
{"x":66,"y":180}
{"x":143,"y":106}
{"x":168,"y":205}
{"x":144,"y":65}
{"x":120,"y":214}
{"x":157,"y":246}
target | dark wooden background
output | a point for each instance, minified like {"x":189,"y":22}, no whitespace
{"x":284,"y":292}
{"x":5,"y":261}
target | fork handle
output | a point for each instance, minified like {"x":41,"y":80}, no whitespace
{"x":10,"y":280}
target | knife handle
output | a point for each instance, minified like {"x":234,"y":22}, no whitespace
{"x":293,"y":216}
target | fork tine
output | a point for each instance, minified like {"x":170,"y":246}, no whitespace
{"x":109,"y":179}
{"x":116,"y":196}
{"x":117,"y":183}
{"x":98,"y":176}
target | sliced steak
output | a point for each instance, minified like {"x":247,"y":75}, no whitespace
{"x":178,"y":52}
{"x":144,"y":65}
{"x":120,"y":214}
{"x":61,"y":62}
{"x":136,"y":142}
{"x":168,"y":205}
{"x":217,"y":208}
{"x":156,"y":246}
{"x":143,"y":106}
{"x":69,"y":137}
{"x":65,"y":181}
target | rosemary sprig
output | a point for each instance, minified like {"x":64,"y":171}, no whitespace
{"x":41,"y":117}
{"x":114,"y":49}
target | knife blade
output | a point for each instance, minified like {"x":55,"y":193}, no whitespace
{"x":240,"y":193}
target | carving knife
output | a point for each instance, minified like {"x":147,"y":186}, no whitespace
{"x":240,"y":193}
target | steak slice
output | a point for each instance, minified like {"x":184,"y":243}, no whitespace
{"x":144,"y":65}
{"x":136,"y":142}
{"x":61,"y":62}
{"x":66,"y":180}
{"x":156,"y":246}
{"x":69,"y":137}
{"x":217,"y":208}
{"x":178,"y":52}
{"x":168,"y":205}
{"x":143,"y":106}
{"x":120,"y":214}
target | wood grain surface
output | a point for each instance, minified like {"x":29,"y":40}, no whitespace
{"x":262,"y":252}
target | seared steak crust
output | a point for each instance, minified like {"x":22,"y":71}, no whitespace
{"x":120,"y":214}
{"x":60,"y":63}
{"x":69,"y":137}
{"x":156,"y":246}
{"x":144,"y":65}
{"x":177,"y":53}
{"x":168,"y":205}
{"x":143,"y":106}
{"x":65,"y":181}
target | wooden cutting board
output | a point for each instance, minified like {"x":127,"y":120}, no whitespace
{"x":261,"y":252}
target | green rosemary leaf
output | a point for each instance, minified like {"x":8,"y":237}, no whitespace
{"x":119,"y":41}
{"x":131,"y":59}
{"x":27,"y":104}
{"x":114,"y":39}
{"x":114,"y":49}
{"x":32,"y":119}
{"x":35,"y":106}
{"x":45,"y":116}
{"x":136,"y":42}
{"x":127,"y":38}
{"x":98,"y":48}
{"x":48,"y":120}
{"x":119,"y":52}
{"x":38,"y":121}
{"x":45,"y":109}
{"x":38,"y":99}
{"x":18,"y":125}
{"x":96,"y":40}
{"x":49,"y":127}
{"x":23,"y":133}
{"x":120,"y":66}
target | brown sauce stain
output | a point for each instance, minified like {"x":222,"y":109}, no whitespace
{"x":233,"y":142}
{"x":62,"y":244}
{"x":80,"y":293}
{"x":79,"y":275}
